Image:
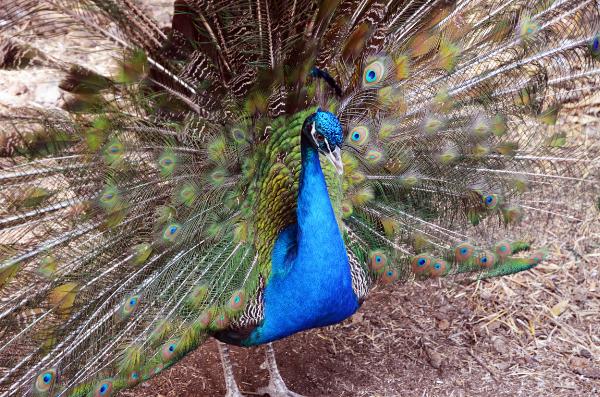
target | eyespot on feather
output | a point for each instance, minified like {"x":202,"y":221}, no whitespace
{"x":389,"y":276}
{"x":480,"y":150}
{"x":377,"y":260}
{"x":386,"y":129}
{"x":512,"y":214}
{"x":356,"y":177}
{"x":238,"y":135}
{"x":44,"y":382}
{"x":109,"y":198}
{"x":358,"y":135}
{"x":217,"y":177}
{"x":374,"y":156}
{"x":409,"y":179}
{"x":168,"y":350}
{"x":154,"y":370}
{"x":503,"y":249}
{"x":104,"y":388}
{"x":133,"y":378}
{"x":128,"y":306}
{"x":114,"y":152}
{"x":141,"y":253}
{"x":498,"y":125}
{"x":485,"y":259}
{"x":448,"y":55}
{"x":463,"y":252}
{"x":171,"y":232}
{"x":221,"y":321}
{"x":490,"y":201}
{"x":438,"y":267}
{"x":375,"y":72}
{"x":481,"y":127}
{"x":443,"y":102}
{"x":160,"y":332}
{"x":47,"y":266}
{"x":527,"y":28}
{"x":448,"y":155}
{"x":187,"y":194}
{"x":537,"y":256}
{"x":166,"y":163}
{"x":433,"y":124}
{"x":198,"y":295}
{"x":237,"y":300}
{"x":421,"y":264}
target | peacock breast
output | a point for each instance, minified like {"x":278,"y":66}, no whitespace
{"x":304,"y":290}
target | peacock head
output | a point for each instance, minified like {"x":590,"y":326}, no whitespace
{"x":324,"y":132}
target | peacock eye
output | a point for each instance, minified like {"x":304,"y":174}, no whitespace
{"x":320,"y":138}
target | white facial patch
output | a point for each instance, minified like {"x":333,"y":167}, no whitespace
{"x":334,"y":156}
{"x":313,"y":134}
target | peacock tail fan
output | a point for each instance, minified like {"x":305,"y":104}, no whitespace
{"x":140,"y":218}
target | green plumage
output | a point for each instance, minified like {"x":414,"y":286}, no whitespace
{"x":141,"y":219}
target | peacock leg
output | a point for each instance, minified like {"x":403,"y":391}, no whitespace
{"x":277,"y":387}
{"x":230,"y":384}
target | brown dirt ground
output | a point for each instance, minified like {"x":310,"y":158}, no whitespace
{"x":532,"y":334}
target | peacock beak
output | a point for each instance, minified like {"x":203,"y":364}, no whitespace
{"x":335,"y":157}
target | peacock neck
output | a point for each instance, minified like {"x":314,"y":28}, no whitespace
{"x":317,"y":225}
{"x":310,"y":283}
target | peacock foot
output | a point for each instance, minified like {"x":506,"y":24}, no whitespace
{"x":276,"y":387}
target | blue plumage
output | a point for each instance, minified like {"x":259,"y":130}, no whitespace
{"x":310,"y":283}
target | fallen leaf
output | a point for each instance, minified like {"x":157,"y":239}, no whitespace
{"x":559,"y":308}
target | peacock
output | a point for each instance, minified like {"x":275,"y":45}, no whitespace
{"x":254,"y":169}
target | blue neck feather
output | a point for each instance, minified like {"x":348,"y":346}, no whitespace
{"x":318,"y":229}
{"x":310,"y":283}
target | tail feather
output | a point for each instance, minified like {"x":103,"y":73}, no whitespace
{"x":128,"y":223}
{"x":459,"y":131}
